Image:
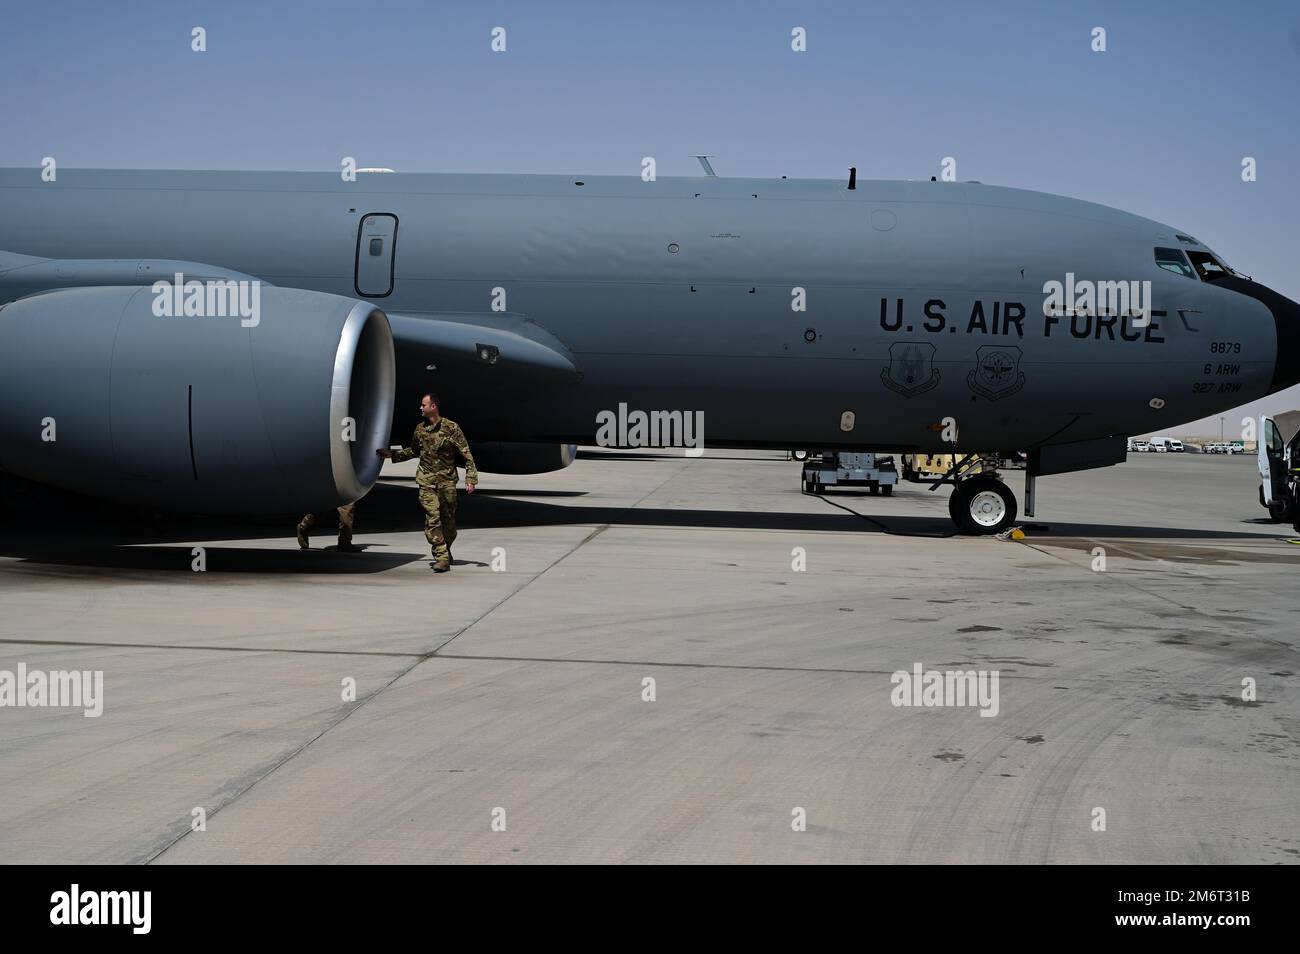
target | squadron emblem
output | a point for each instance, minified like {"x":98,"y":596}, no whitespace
{"x":997,"y":372}
{"x":911,"y":368}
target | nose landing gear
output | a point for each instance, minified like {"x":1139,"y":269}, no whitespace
{"x":982,"y":504}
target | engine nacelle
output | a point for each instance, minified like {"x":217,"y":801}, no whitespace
{"x":509,"y":457}
{"x":100,"y":396}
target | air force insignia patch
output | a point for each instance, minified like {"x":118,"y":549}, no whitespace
{"x":997,"y":372}
{"x":911,"y":368}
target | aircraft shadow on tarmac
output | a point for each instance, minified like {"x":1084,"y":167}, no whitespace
{"x":46,"y":526}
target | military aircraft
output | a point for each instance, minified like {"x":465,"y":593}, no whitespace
{"x":236,"y":341}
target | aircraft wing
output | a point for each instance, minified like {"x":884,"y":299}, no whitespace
{"x":22,"y":275}
{"x":445,"y":339}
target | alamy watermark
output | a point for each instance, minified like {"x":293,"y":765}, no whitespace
{"x":934,"y":688}
{"x":129,"y":908}
{"x":57,"y":689}
{"x":211,"y":299}
{"x":624,"y":428}
{"x":1131,"y":299}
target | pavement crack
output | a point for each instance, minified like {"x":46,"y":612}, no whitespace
{"x":284,"y":760}
{"x":212,"y":649}
{"x":343,"y":717}
{"x":550,"y":566}
{"x":672,"y":665}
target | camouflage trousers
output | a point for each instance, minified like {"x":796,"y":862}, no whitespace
{"x":347,"y":515}
{"x":439,"y":503}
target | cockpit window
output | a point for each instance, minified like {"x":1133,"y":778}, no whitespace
{"x":1172,"y":259}
{"x":1208,"y":267}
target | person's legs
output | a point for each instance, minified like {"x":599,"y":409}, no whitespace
{"x":447,"y":515}
{"x":347,"y":515}
{"x":304,"y":530}
{"x":429,"y":500}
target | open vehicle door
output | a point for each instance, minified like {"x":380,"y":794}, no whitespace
{"x":1278,"y":436}
{"x":1271,"y":471}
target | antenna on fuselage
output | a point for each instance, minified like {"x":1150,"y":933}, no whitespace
{"x":853,"y":177}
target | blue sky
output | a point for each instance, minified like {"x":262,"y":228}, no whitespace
{"x":1157,"y":125}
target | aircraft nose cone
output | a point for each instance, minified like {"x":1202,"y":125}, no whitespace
{"x":1286,"y":319}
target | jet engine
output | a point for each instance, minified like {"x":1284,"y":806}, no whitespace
{"x":280,"y":411}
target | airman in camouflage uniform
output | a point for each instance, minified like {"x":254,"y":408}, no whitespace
{"x":438,"y":441}
{"x":346,"y":519}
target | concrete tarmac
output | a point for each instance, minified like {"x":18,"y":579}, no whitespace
{"x":514,"y":692}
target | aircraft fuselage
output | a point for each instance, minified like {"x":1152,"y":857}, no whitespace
{"x":771,"y":307}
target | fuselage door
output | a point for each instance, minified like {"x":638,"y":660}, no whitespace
{"x":376,"y":254}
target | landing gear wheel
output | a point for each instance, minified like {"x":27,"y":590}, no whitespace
{"x":983,"y":505}
{"x":954,"y":504}
{"x":799,"y":455}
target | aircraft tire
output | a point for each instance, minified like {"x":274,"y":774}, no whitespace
{"x":984,"y":505}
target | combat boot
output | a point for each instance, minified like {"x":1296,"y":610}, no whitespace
{"x":441,"y":565}
{"x":303,"y":540}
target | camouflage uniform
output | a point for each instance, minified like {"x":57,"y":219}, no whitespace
{"x":346,"y":518}
{"x":437,"y":446}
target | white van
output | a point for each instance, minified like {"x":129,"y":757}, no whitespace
{"x":1166,"y":445}
{"x":1279,"y":450}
